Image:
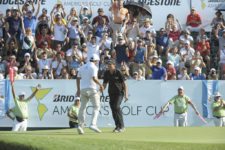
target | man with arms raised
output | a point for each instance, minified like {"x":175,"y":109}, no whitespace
{"x":20,"y":111}
{"x":120,"y":16}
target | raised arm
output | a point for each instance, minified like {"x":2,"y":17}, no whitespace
{"x":32,"y":4}
{"x":90,"y":3}
{"x":38,"y":9}
{"x":64,"y":13}
{"x":52,"y":21}
{"x":22,"y":25}
{"x":81,"y":9}
{"x":33,"y":94}
{"x":18,"y":7}
{"x":13,"y":91}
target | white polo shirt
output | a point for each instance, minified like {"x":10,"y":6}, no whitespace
{"x":92,"y":49}
{"x":42,"y":63}
{"x":58,"y":66}
{"x":59,"y":32}
{"x":86,"y":73}
{"x":189,"y":53}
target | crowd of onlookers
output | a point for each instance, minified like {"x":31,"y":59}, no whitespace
{"x":39,"y":44}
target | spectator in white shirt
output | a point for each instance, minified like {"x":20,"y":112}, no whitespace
{"x":59,"y":30}
{"x":132,"y":30}
{"x":74,"y":31}
{"x":87,"y":89}
{"x":187,"y":52}
{"x":57,"y":65}
{"x":185,"y":36}
{"x":43,"y":62}
{"x":147,"y":27}
{"x":93,"y":48}
{"x":174,"y":57}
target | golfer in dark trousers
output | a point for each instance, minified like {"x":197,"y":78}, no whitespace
{"x":117,"y":90}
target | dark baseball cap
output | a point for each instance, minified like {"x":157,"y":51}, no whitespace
{"x":100,"y":10}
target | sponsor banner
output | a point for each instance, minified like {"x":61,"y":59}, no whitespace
{"x":50,"y":105}
{"x":160,"y":8}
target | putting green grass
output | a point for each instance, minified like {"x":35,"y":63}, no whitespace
{"x":151,"y":138}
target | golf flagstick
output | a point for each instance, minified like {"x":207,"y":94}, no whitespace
{"x":11,"y":75}
{"x":201,"y":118}
{"x":158,"y":115}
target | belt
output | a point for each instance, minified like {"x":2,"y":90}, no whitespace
{"x":218,"y":117}
{"x":19,"y":119}
{"x":180,"y":113}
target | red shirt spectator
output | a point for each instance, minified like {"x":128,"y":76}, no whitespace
{"x":171,"y":71}
{"x":42,"y":37}
{"x":203,"y":47}
{"x":193,"y":19}
{"x":175,"y":33}
{"x":98,"y":19}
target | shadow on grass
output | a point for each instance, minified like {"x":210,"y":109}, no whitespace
{"x":15,"y":146}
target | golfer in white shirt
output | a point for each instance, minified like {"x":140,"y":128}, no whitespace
{"x":87,"y":89}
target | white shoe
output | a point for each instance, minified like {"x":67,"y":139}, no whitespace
{"x":80,"y":130}
{"x":95,"y":128}
{"x":122,"y":130}
{"x":116,"y":131}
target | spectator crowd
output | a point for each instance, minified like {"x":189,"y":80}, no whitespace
{"x":39,"y":44}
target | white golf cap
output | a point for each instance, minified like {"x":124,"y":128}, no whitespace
{"x":69,"y":53}
{"x":155,"y":56}
{"x":217,"y":94}
{"x":181,"y":88}
{"x":213,"y":69}
{"x":197,"y":68}
{"x":85,"y":7}
{"x":94,"y":57}
{"x":85,"y":18}
{"x":27,"y":54}
{"x":74,"y":18}
{"x":14,"y":8}
{"x":15,"y":68}
{"x":159,"y":60}
{"x":135,"y":73}
{"x":22,"y":94}
{"x":187,"y":42}
{"x":169,"y":62}
{"x":77,"y":98}
{"x":46,"y":67}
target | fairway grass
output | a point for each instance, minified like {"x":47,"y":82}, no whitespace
{"x":151,"y":138}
